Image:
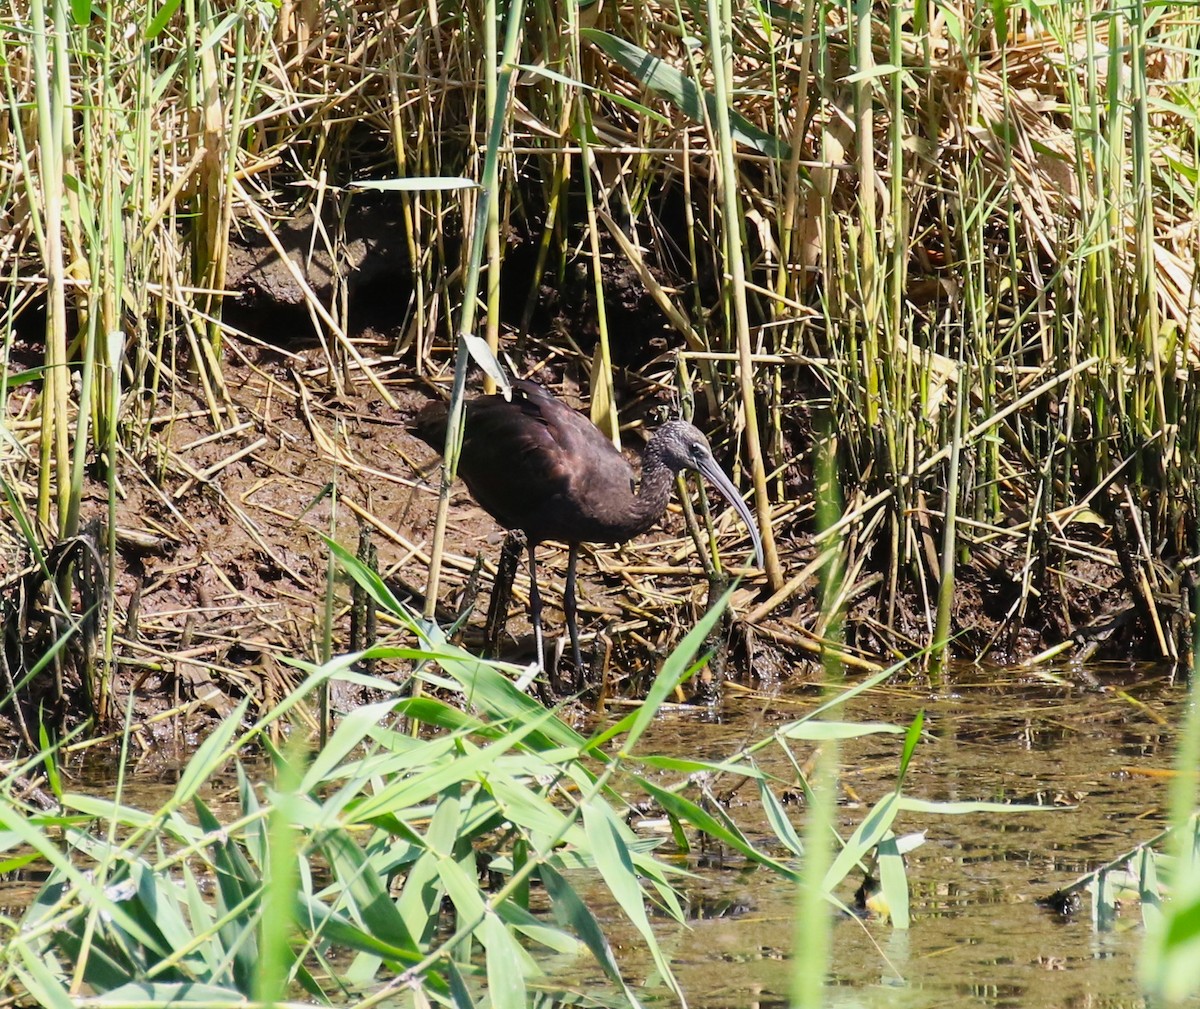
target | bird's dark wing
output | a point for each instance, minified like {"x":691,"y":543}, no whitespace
{"x":535,"y":464}
{"x":515,"y":459}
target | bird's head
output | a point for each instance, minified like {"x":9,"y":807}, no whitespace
{"x":680,"y":445}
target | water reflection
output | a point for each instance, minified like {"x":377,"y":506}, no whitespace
{"x":1083,"y":746}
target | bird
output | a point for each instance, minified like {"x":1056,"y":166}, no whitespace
{"x":541,"y":468}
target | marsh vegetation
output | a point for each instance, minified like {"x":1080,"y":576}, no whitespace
{"x":926,"y":273}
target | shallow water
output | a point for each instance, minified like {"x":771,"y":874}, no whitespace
{"x":1087,"y":748}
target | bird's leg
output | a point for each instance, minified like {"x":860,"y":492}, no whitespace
{"x":506,"y":570}
{"x":535,"y":607}
{"x":569,"y":610}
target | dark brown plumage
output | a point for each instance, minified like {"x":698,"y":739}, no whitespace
{"x":536,"y":465}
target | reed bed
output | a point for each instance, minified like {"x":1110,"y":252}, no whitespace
{"x":954,"y":242}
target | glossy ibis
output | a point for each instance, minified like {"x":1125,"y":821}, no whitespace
{"x":537,"y":466}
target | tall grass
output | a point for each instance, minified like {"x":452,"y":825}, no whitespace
{"x":105,"y":168}
{"x":871,"y":211}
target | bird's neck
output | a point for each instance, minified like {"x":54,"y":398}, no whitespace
{"x":654,"y":492}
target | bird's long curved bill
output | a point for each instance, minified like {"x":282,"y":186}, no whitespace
{"x":729,"y":492}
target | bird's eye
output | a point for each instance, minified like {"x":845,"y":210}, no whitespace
{"x":697,"y":450}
